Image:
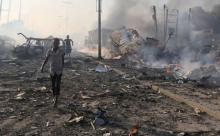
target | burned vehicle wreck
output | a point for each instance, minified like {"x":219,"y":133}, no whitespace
{"x":34,"y":47}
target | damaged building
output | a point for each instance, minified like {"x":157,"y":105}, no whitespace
{"x":91,"y":40}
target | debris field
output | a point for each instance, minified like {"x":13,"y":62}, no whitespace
{"x":124,"y":95}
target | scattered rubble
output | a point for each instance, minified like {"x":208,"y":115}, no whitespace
{"x":20,"y":96}
{"x":122,"y":99}
{"x":206,"y":76}
{"x":102,"y":68}
{"x":107,"y":134}
{"x":134,"y":131}
{"x":74,"y":120}
{"x":169,"y":83}
{"x":100,"y":118}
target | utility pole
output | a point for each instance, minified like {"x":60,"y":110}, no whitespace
{"x":9,"y":10}
{"x":67,"y":3}
{"x":155,"y":21}
{"x":19,"y":16}
{"x":99,"y":29}
{"x":1,"y":2}
{"x":190,"y":16}
{"x":165,"y":24}
{"x":165,"y":28}
{"x":189,"y":23}
{"x":172,"y":20}
{"x":177,"y":25}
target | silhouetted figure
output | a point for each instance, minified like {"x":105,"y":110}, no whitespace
{"x":56,"y":59}
{"x":68,"y":45}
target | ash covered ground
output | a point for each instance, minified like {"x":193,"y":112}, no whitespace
{"x":26,"y":101}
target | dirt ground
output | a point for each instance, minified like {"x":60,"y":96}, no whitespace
{"x":26,"y":102}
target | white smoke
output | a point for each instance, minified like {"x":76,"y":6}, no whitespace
{"x":138,"y":15}
{"x":12,"y":28}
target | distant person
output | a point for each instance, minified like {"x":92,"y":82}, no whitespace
{"x":68,"y":45}
{"x":56,"y":58}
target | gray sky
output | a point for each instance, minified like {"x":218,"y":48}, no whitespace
{"x":48,"y":17}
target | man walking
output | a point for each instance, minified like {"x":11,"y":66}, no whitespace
{"x":68,"y":45}
{"x":56,"y":58}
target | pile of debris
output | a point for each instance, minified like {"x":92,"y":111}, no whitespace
{"x":125,"y":41}
{"x":170,"y":72}
{"x":206,"y":76}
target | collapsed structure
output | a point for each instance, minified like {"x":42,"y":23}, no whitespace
{"x":182,"y":44}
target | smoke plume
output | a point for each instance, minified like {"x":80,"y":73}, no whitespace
{"x":195,"y":36}
{"x":131,"y":13}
